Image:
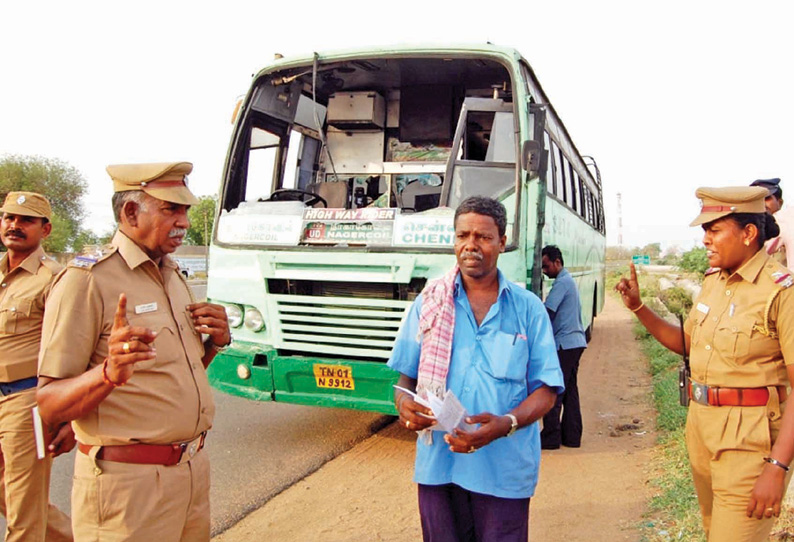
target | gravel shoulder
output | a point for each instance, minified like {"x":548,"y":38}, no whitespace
{"x":597,"y":493}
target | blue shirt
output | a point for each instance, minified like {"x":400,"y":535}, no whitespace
{"x":494,"y":367}
{"x":563,"y":300}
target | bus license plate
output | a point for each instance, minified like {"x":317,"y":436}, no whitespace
{"x":336,"y":377}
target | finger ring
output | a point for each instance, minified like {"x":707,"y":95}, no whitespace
{"x":407,"y":424}
{"x":126,"y":348}
{"x":471,"y":450}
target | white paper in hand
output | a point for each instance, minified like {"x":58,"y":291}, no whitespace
{"x":448,"y":412}
{"x":451,"y":414}
{"x":38,"y":434}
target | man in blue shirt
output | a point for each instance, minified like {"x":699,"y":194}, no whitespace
{"x":498,"y":357}
{"x":565,"y":311}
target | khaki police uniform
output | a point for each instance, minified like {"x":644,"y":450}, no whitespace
{"x":741,"y":330}
{"x":166,"y":401}
{"x":24,"y":479}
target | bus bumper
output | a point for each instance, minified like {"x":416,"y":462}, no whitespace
{"x":258,"y":373}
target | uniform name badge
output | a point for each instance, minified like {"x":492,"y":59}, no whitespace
{"x":148,"y":307}
{"x":703,"y":308}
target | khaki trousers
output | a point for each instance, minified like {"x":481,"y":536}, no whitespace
{"x":726,"y":449}
{"x":25,"y":479}
{"x":141,"y":503}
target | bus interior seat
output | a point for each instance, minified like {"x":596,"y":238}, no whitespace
{"x":334,"y":193}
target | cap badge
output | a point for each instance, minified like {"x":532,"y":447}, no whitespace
{"x":20,"y":200}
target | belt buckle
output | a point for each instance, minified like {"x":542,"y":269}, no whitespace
{"x":700,"y":393}
{"x":187,"y":450}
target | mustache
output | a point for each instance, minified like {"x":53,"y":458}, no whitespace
{"x":177,"y":232}
{"x":18,"y":233}
{"x":471,"y":254}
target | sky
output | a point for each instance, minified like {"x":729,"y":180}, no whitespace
{"x":666,"y":96}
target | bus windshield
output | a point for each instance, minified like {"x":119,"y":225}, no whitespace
{"x":370,"y":152}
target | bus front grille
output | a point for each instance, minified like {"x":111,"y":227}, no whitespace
{"x":339,"y":326}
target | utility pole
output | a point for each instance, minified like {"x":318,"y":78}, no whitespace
{"x":620,"y":222}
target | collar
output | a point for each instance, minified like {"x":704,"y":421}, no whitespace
{"x":503,"y":284}
{"x":752,"y":267}
{"x":30,"y":264}
{"x":563,"y":272}
{"x":133,"y":255}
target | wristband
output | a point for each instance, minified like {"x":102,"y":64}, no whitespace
{"x":638,"y":308}
{"x":775,"y":462}
{"x":106,"y":379}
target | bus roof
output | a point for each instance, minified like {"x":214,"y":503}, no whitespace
{"x":487,"y":49}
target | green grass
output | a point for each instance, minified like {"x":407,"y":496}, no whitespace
{"x":673,"y":512}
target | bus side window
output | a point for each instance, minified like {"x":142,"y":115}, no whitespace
{"x":551,"y":188}
{"x":572,"y":178}
{"x":564,"y":177}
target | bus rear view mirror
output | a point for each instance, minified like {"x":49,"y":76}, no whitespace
{"x":530,"y":157}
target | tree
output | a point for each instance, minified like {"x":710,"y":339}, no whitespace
{"x":620,"y":253}
{"x":60,"y":182}
{"x":202,"y":218}
{"x":652,"y":249}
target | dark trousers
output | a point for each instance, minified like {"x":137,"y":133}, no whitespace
{"x":450,"y":513}
{"x":569,"y":432}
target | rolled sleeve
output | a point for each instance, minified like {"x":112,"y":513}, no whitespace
{"x":405,"y":355}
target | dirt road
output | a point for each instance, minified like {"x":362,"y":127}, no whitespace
{"x":595,"y":493}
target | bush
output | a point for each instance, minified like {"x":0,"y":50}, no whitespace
{"x":677,"y":300}
{"x":695,"y":261}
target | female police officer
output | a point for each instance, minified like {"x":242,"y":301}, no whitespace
{"x":740,"y":335}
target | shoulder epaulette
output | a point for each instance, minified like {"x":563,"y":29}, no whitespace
{"x":89,"y":259}
{"x":783,"y":279}
{"x":711,"y":271}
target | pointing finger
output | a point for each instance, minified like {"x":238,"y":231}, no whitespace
{"x":120,"y":318}
{"x":633,"y":272}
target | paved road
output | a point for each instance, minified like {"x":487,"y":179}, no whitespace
{"x":256,"y":449}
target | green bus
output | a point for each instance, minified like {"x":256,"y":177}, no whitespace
{"x":336,"y":208}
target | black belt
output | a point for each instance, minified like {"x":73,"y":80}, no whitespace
{"x":7,"y":388}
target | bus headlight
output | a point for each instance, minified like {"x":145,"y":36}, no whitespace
{"x":253,"y":319}
{"x":234,"y":314}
